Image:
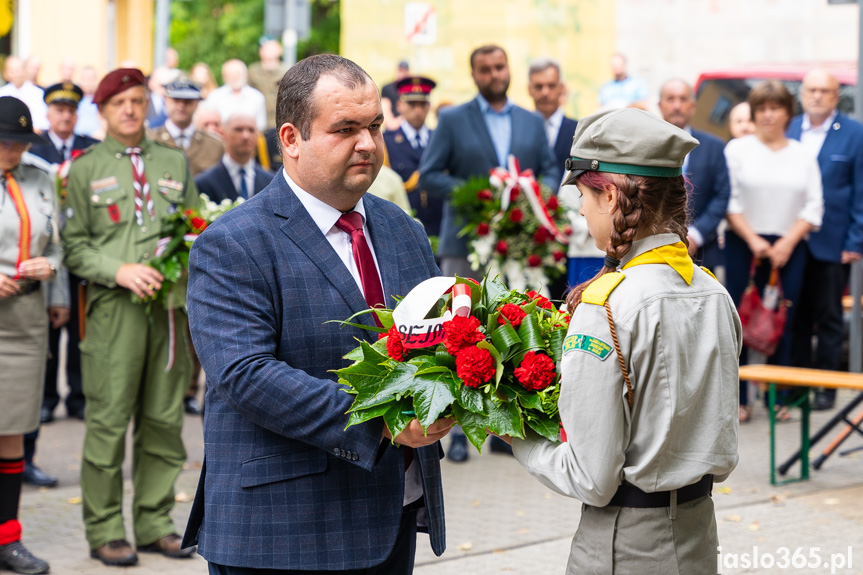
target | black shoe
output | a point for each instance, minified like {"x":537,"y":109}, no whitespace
{"x":35,"y":476}
{"x":822,"y":402}
{"x":192,"y":406}
{"x":17,"y":558}
{"x":115,"y":553}
{"x":498,"y":445}
{"x":75,"y":412}
{"x":457,"y":452}
{"x":46,"y":415}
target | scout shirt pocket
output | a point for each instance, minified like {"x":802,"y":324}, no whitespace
{"x":173,"y":193}
{"x":110,"y":202}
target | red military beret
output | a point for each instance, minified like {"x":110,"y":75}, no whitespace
{"x":118,"y":81}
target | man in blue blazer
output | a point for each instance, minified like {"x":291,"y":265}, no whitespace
{"x":706,"y":171}
{"x":837,"y":140}
{"x":285,"y":485}
{"x":475,"y":137}
{"x":547,"y":90}
{"x":237,"y":175}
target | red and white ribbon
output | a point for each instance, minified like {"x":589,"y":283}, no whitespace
{"x":513,"y":178}
{"x":409,"y":315}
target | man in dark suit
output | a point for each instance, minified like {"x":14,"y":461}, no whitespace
{"x":237,"y":175}
{"x":470,"y":140}
{"x":706,"y":171}
{"x":285,"y":485}
{"x":547,"y":90}
{"x":405,"y":147}
{"x":63,"y":143}
{"x":475,"y":137}
{"x":837,"y":140}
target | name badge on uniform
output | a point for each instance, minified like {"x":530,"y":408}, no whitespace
{"x":104,"y":185}
{"x":166,"y":184}
{"x":587,"y":344}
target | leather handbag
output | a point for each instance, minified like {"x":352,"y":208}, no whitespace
{"x":762,"y":325}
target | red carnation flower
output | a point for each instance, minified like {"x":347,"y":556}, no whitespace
{"x":513,"y":195}
{"x":558,"y":255}
{"x":484,"y":195}
{"x":501,"y":247}
{"x":516,"y":215}
{"x":552,"y":203}
{"x":511,"y":312}
{"x":541,"y":300}
{"x":541,"y":235}
{"x":567,"y":230}
{"x":475,"y":366}
{"x":395,"y":347}
{"x":536,"y":371}
{"x":482,"y":229}
{"x":199,"y":224}
{"x":461,"y":332}
{"x":534,"y":261}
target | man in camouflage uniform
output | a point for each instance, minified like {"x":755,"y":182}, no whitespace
{"x":134,"y":364}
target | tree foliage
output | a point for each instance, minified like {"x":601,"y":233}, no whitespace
{"x":213,"y":31}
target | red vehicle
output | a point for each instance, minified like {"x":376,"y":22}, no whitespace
{"x":718,"y":91}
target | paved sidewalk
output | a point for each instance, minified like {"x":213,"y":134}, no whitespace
{"x":500,"y":520}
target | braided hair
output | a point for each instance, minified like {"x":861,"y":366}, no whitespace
{"x":648,"y":205}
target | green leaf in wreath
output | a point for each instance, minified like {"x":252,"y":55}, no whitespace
{"x":504,"y":417}
{"x":443,"y":358}
{"x":365,"y":375}
{"x":364,"y":415}
{"x":505,"y":340}
{"x":498,"y":361}
{"x":432,"y":394}
{"x":395,"y":383}
{"x":544,"y":425}
{"x":492,"y":291}
{"x":472,"y":424}
{"x":529,"y":400}
{"x":531,"y":338}
{"x":398,"y":416}
{"x":471,"y":400}
{"x":173,"y":269}
{"x":555,"y":346}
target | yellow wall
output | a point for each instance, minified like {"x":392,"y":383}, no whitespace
{"x":578,"y":33}
{"x":62,"y":28}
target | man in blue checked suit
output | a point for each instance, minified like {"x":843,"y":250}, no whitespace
{"x":837,"y":141}
{"x":285,"y":487}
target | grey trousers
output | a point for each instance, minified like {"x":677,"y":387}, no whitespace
{"x":628,"y":541}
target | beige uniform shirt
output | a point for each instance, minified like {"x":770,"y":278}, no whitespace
{"x":681,"y":345}
{"x":37,"y":187}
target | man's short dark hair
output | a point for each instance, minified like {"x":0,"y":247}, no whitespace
{"x":483,"y":50}
{"x":295,"y":104}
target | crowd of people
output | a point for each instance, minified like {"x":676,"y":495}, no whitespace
{"x":783,"y":198}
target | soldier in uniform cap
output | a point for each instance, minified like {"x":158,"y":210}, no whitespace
{"x":135,"y":363}
{"x":649,"y":369}
{"x":405,"y":147}
{"x":181,"y":101}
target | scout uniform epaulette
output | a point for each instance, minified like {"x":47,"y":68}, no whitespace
{"x":597,"y":292}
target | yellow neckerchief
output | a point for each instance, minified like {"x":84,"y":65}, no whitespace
{"x":674,"y":255}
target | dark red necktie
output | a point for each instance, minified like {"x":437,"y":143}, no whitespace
{"x":352,"y":223}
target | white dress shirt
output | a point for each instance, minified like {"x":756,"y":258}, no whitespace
{"x":59,"y":144}
{"x":233,"y":168}
{"x":325,"y":217}
{"x":411,"y":135}
{"x":811,"y":137}
{"x":773,"y":188}
{"x":181,"y":137}
{"x":552,"y":126}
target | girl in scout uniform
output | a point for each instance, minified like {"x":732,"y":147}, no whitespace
{"x":30,"y":253}
{"x":649,"y":371}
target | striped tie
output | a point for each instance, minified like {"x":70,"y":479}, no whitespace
{"x":142,"y":187}
{"x":23,"y":220}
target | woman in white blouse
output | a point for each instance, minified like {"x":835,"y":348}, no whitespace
{"x":775,"y":202}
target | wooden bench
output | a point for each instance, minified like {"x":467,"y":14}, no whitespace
{"x":800,"y":377}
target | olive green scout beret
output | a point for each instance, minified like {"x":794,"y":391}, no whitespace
{"x":627,"y":141}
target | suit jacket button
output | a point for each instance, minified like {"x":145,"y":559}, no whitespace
{"x":336,"y":451}
{"x":342,"y":453}
{"x":354,"y":456}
